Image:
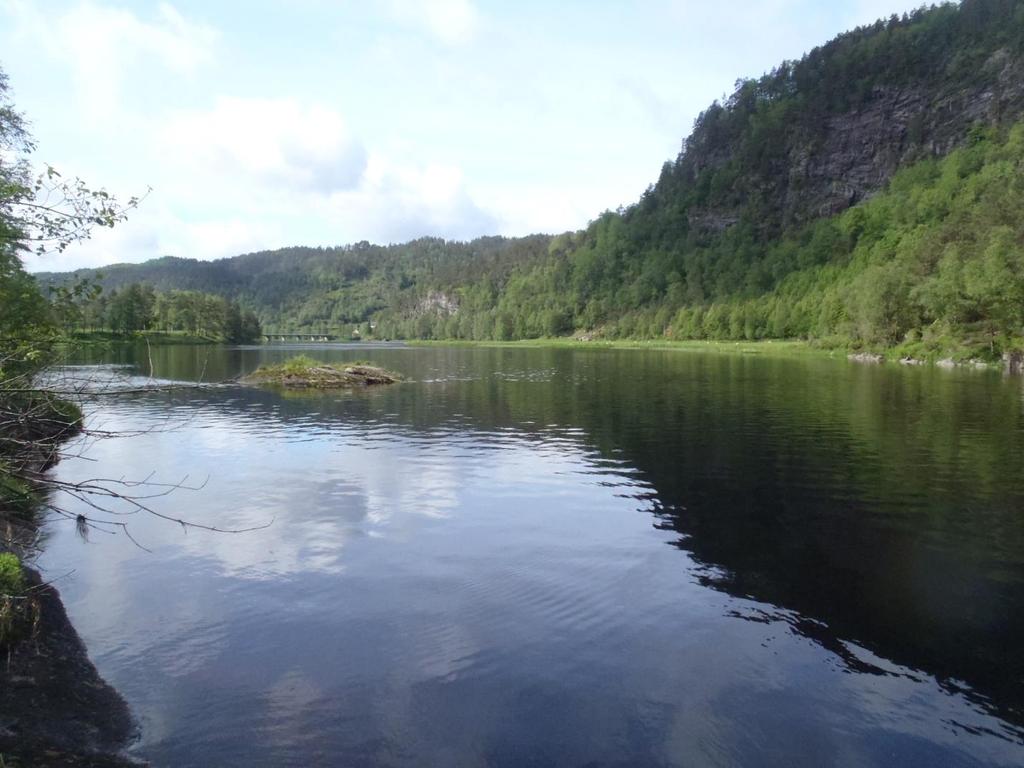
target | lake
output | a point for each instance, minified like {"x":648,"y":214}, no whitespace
{"x":561,"y":557}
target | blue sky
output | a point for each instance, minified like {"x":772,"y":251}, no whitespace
{"x":261,"y":124}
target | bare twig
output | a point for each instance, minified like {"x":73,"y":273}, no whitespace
{"x":97,"y":503}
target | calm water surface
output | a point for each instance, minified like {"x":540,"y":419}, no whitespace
{"x":534,"y":557}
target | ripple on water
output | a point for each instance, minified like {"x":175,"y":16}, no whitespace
{"x":553,"y":557}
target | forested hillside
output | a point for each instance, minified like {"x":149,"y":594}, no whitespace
{"x":334,"y":288}
{"x":868,"y":193}
{"x":84,"y":308}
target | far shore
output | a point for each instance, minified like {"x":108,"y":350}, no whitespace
{"x":909,"y":354}
{"x":792,"y":346}
{"x":137,"y":337}
{"x":768,"y":347}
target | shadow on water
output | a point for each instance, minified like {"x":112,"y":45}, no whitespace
{"x":874,"y":511}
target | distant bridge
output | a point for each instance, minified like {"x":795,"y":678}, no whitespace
{"x":308,"y":336}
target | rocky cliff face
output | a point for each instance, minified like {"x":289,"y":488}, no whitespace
{"x":856,"y":153}
{"x":439,"y":303}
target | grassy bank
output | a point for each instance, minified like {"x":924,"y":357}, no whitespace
{"x":767,"y":347}
{"x":922,"y":352}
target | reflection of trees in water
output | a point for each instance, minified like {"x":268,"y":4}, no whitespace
{"x":879,"y":506}
{"x":871,"y":506}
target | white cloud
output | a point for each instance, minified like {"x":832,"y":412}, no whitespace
{"x":526,"y":211}
{"x":155,"y":230}
{"x":216,"y":238}
{"x":275,"y":140}
{"x":401,"y":201}
{"x":102,"y":45}
{"x":248,"y":175}
{"x":450,"y":21}
{"x":284,"y":160}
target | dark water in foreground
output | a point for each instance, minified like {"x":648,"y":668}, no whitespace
{"x":530,"y":557}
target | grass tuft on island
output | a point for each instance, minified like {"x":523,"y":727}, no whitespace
{"x":304,"y":372}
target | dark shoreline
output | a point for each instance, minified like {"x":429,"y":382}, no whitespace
{"x":55,"y":709}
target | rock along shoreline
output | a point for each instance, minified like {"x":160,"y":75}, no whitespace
{"x":55,"y":709}
{"x":1012,"y":362}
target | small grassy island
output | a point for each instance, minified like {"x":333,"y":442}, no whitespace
{"x":304,"y":372}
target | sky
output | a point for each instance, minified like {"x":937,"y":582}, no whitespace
{"x":264,"y":124}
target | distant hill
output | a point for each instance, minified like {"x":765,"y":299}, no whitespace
{"x":328,"y":288}
{"x":868,"y":193}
